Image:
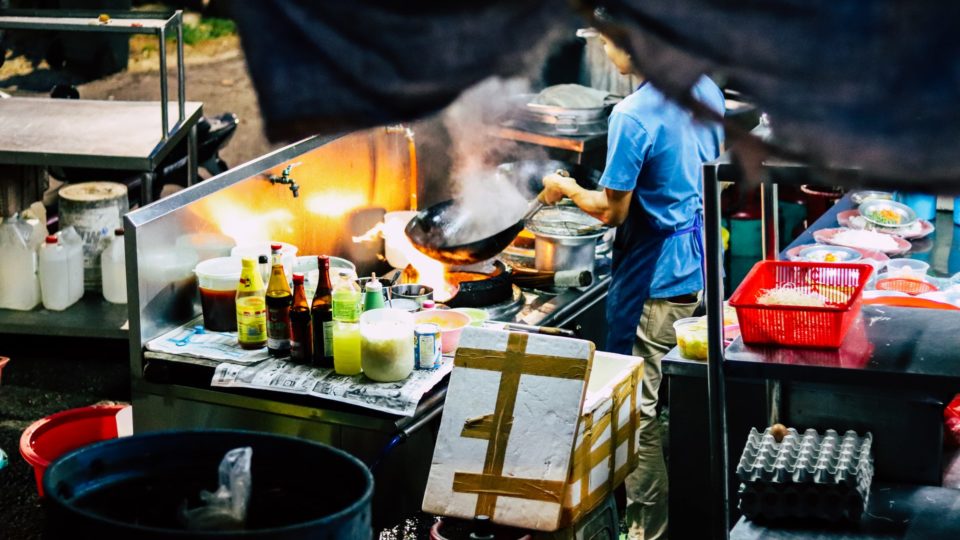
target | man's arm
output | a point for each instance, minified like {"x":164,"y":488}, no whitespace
{"x":609,"y":206}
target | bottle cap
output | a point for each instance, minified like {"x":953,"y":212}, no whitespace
{"x":323,"y":262}
{"x":263,"y":259}
{"x":297,"y":277}
{"x":429,"y":304}
{"x":51,"y":239}
{"x":247,"y":262}
{"x":374,"y":284}
{"x":118,"y":231}
{"x":276,"y":247}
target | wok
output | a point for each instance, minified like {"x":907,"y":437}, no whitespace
{"x":430,"y":230}
{"x":433,"y":230}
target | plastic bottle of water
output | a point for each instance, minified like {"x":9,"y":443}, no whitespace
{"x":70,"y":238}
{"x":113,"y":270}
{"x":19,"y":283}
{"x":54,"y":277}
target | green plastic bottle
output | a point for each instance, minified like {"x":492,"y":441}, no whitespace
{"x":373,"y":294}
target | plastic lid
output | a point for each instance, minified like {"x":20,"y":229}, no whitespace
{"x":51,"y":239}
{"x":263,"y":259}
{"x":247,"y":262}
{"x":276,"y":247}
{"x":429,"y":304}
{"x":297,"y":277}
{"x":374,"y":284}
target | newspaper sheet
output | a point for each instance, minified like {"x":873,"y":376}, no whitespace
{"x":400,"y":398}
{"x":192,"y":340}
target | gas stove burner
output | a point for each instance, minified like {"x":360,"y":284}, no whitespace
{"x":506,"y":311}
{"x":479,"y":285}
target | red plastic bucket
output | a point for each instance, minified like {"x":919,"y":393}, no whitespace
{"x":51,"y":437}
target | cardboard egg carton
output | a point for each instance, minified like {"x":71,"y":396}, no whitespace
{"x":805,"y":476}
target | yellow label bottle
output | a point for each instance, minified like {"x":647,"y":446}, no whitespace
{"x":251,"y":307}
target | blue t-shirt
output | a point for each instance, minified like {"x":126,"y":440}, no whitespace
{"x":656,"y":149}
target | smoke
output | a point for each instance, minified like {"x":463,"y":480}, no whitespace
{"x":489,"y":200}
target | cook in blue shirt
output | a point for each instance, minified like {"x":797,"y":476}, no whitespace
{"x":652,"y":193}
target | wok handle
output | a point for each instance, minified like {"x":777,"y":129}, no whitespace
{"x":532,"y":209}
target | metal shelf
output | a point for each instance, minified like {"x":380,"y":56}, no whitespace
{"x":160,"y":24}
{"x":139,"y":22}
{"x":908,"y":351}
{"x":888,"y":346}
{"x":91,"y":317}
{"x":894,"y":513}
{"x":121,"y":135}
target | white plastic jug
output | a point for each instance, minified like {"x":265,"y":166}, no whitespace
{"x":113,"y":266}
{"x":71,"y":239}
{"x":19,"y":283}
{"x":54,"y":275}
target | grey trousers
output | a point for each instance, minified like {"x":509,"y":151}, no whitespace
{"x":647,"y":484}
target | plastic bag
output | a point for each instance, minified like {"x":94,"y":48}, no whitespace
{"x":951,"y":423}
{"x":226,"y":508}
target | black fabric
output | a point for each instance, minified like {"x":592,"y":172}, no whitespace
{"x":873,"y":84}
{"x":328,"y":66}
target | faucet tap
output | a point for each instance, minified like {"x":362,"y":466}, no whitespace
{"x":285,"y":179}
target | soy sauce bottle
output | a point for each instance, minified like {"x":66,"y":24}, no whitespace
{"x":279,"y":299}
{"x":301,"y":329}
{"x":322,"y":312}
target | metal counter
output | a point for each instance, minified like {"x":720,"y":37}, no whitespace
{"x":892,"y":376}
{"x":175,"y":393}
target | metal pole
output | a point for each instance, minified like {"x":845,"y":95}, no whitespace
{"x":770,"y":218}
{"x":716,"y":398}
{"x":165,"y":121}
{"x":181,"y":73}
{"x":192,"y":164}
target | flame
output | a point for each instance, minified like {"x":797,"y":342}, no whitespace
{"x":238,"y":222}
{"x":334,"y":203}
{"x":371,"y":235}
{"x":420,"y":268}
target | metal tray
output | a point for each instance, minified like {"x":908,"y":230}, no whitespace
{"x":905,"y":213}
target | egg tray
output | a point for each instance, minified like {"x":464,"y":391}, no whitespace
{"x":805,"y":476}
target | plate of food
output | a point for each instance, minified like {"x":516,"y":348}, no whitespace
{"x":859,"y":196}
{"x":887,"y":214}
{"x":862,"y":239}
{"x":867,"y":255}
{"x":824,"y":253}
{"x":852,"y":219}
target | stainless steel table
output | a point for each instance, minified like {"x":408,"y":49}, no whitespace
{"x":124,"y":135}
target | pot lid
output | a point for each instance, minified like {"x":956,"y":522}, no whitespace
{"x":568,"y":221}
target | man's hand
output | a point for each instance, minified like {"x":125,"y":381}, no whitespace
{"x":556,"y":187}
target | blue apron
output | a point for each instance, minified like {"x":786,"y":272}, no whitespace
{"x":633,"y":270}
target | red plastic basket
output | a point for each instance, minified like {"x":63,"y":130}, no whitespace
{"x":800,"y":326}
{"x":905,"y":285}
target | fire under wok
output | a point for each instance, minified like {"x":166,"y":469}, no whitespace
{"x":442,"y":231}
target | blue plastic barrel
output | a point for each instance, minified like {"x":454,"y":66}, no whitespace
{"x":924,"y":205}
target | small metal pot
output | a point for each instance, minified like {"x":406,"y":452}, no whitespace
{"x":559,"y":253}
{"x":413,"y":291}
